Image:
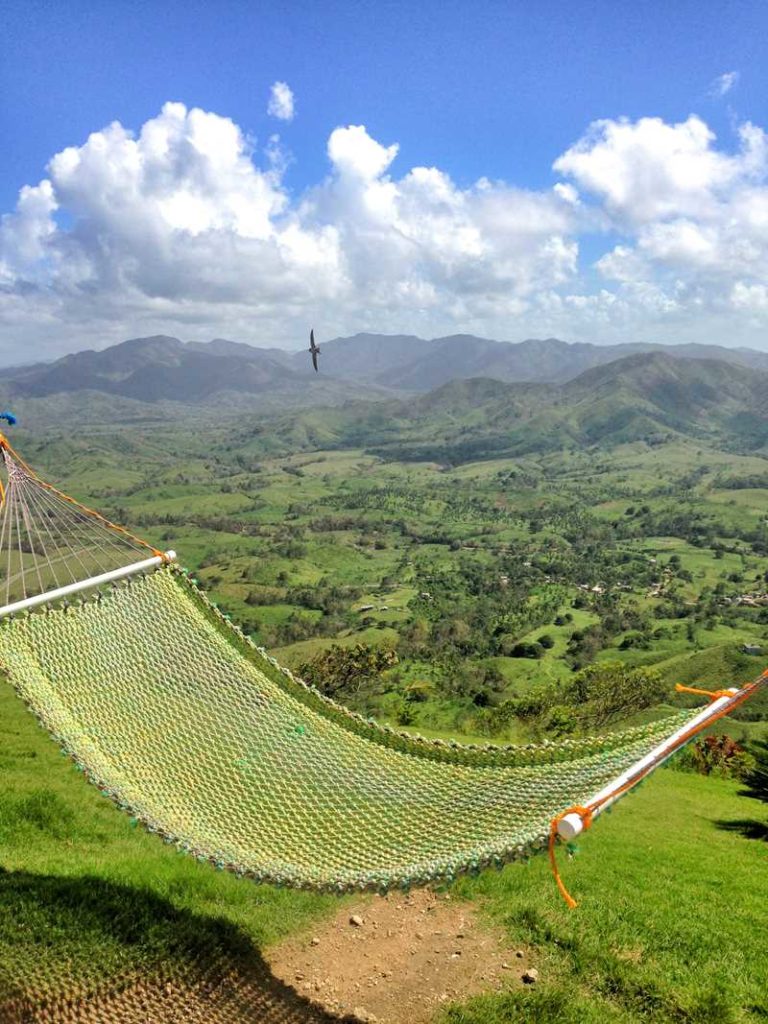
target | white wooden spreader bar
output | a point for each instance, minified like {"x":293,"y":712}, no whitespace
{"x":92,"y":581}
{"x":571,"y":825}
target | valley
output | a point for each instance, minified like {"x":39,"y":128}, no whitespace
{"x":493,"y":539}
{"x":487,"y":561}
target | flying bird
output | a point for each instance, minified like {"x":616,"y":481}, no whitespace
{"x":313,"y":348}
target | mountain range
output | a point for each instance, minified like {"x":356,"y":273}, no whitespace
{"x":409,"y":363}
{"x":162,"y":368}
{"x":448,"y":400}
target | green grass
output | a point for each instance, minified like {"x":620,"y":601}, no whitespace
{"x":668,"y":929}
{"x":672,"y":925}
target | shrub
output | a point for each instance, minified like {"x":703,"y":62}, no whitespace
{"x":340,"y":672}
{"x":611,"y":690}
{"x":716,"y":755}
{"x":526,"y":650}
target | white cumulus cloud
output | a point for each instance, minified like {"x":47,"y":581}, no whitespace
{"x":281,"y":103}
{"x":180,"y":228}
{"x":647,"y":169}
{"x":693,"y":218}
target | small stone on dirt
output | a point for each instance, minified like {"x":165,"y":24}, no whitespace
{"x":531,"y":976}
{"x":315,"y":941}
{"x":356,"y":920}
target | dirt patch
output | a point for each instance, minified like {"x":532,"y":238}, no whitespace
{"x":397,"y":959}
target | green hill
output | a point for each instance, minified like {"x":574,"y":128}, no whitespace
{"x":648,"y":397}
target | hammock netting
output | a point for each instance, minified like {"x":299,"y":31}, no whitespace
{"x":176,"y":715}
{"x":200,"y":736}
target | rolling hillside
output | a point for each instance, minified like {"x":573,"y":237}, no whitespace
{"x":650,"y":397}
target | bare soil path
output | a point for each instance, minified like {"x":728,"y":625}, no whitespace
{"x":397,"y":959}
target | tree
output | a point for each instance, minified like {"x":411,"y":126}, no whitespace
{"x":611,"y":690}
{"x":526,"y":650}
{"x":341,"y":672}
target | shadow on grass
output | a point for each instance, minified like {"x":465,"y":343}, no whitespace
{"x":87,"y":950}
{"x":750,"y":828}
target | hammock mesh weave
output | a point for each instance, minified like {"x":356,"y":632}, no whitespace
{"x":202,"y":737}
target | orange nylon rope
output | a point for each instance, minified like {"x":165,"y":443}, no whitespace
{"x":587,"y":813}
{"x":586,"y":816}
{"x":712,"y":694}
{"x":5,"y":444}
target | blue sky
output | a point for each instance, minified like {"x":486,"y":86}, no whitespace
{"x":492,"y":91}
{"x":496,"y":89}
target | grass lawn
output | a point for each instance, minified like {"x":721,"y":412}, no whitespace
{"x":84,"y":896}
{"x":672,"y":923}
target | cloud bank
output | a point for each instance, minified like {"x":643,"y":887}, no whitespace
{"x":182,"y":229}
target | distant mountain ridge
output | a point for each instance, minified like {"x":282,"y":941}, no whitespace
{"x":149,"y":380}
{"x":164,"y":369}
{"x":412,"y":364}
{"x":159,"y":367}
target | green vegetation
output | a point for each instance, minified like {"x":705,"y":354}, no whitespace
{"x":85,"y":896}
{"x":494,"y":591}
{"x":487,"y":579}
{"x":757,"y":777}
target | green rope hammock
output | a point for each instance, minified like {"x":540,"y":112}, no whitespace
{"x":173,"y":713}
